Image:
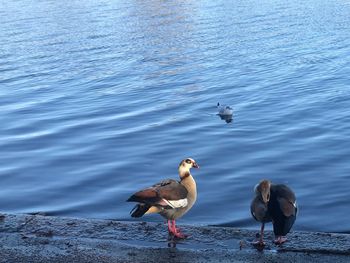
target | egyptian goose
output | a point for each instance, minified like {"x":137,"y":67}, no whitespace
{"x":276,"y":203}
{"x":170,"y":198}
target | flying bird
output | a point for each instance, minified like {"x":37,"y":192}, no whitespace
{"x":169,"y":198}
{"x":274,"y":203}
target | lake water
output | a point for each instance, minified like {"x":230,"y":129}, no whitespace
{"x":101,"y":98}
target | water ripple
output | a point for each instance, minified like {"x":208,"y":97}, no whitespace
{"x":98,"y":99}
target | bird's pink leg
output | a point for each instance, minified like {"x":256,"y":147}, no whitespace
{"x":170,"y":227}
{"x":280,"y":240}
{"x":175,"y":231}
{"x":260,"y":242}
{"x":171,"y":242}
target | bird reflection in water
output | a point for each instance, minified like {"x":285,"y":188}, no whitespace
{"x":227,"y":118}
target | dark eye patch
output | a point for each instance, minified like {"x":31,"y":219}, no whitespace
{"x":188,"y":161}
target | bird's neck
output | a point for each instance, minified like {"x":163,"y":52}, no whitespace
{"x":184,"y":172}
{"x":189,"y":183}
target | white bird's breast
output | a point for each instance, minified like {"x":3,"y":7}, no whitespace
{"x":177,"y":203}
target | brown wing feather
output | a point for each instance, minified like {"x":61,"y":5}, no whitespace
{"x":168,"y":189}
{"x":287,"y":207}
{"x":148,"y":194}
{"x":284,"y":191}
{"x":172,"y":190}
{"x":286,"y":199}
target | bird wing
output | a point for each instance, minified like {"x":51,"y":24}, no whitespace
{"x":288,"y":208}
{"x":286,"y":199}
{"x":167,"y":193}
{"x":259,"y":211}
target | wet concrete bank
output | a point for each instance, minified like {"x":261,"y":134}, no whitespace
{"x":36,"y":238}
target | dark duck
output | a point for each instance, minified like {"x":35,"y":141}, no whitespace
{"x":274,"y":203}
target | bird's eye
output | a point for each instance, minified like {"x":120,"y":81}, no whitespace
{"x":188,"y":161}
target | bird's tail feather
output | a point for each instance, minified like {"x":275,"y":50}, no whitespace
{"x":139,"y":210}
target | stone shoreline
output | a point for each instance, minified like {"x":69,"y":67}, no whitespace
{"x":37,"y":238}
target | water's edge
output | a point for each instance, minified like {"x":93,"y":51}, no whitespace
{"x":25,"y":238}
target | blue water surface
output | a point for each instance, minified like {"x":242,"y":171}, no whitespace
{"x":101,"y":98}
